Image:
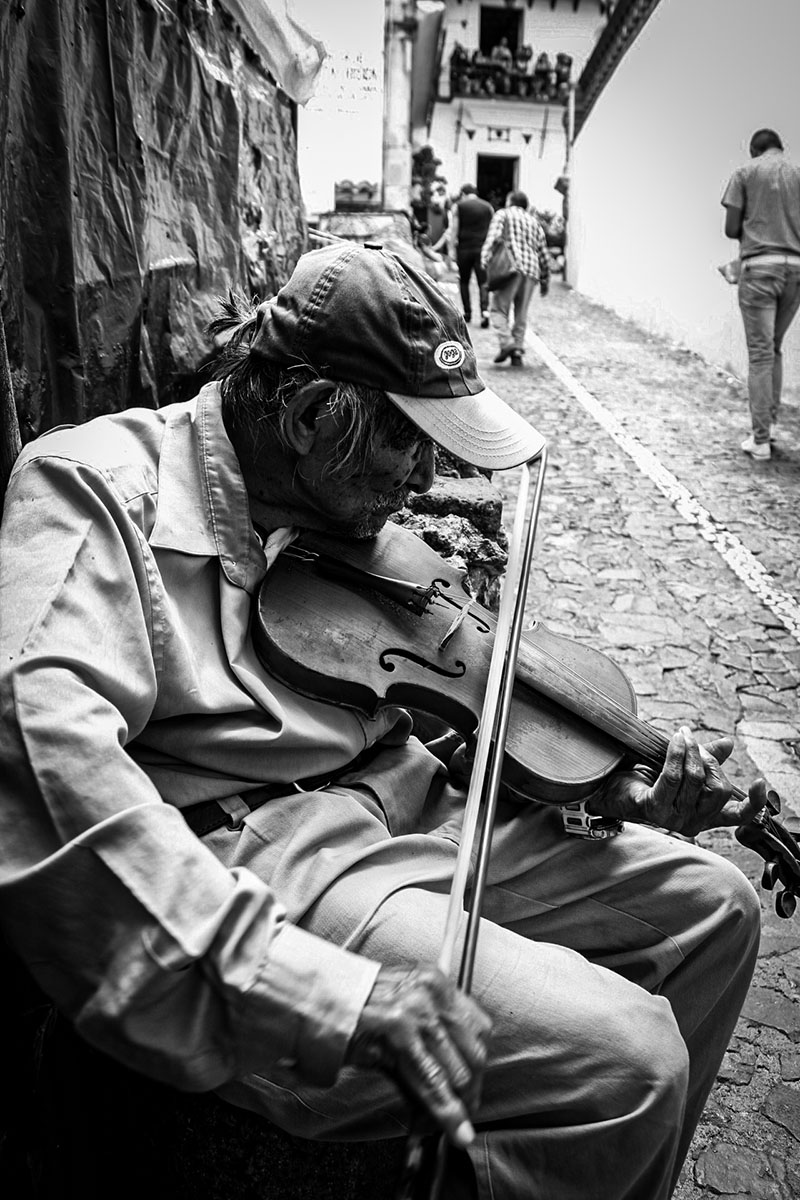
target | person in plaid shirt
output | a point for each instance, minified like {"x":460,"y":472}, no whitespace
{"x":524,"y":236}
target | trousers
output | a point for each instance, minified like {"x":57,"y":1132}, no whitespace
{"x":469,"y":264}
{"x":517,"y":292}
{"x":769,"y":297}
{"x":614,"y":973}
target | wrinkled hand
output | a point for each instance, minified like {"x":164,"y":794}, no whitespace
{"x":419,"y":1028}
{"x":690,"y":795}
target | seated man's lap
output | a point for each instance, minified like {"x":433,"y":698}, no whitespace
{"x":568,"y":1036}
{"x":576,"y":936}
{"x":637,"y":903}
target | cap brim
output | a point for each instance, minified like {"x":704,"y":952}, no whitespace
{"x":482,"y":429}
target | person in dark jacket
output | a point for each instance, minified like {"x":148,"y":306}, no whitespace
{"x":469,"y":225}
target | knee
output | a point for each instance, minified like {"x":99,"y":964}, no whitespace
{"x":731,"y":903}
{"x":647,"y":1070}
{"x":651,"y":1047}
{"x":744,"y":914}
{"x":760,"y":352}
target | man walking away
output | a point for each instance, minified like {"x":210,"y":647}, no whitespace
{"x":470,"y":221}
{"x":525,"y":238}
{"x":762,"y":202}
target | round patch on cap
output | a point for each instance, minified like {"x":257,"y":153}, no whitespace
{"x":449,"y":355}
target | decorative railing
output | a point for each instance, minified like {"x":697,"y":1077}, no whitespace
{"x":507,"y":75}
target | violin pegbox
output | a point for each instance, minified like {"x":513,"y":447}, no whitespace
{"x":780,"y":849}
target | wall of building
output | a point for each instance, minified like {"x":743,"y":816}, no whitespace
{"x":545,"y":28}
{"x":540,"y":160}
{"x":537,"y":132}
{"x":349,"y":97}
{"x":652,"y":160}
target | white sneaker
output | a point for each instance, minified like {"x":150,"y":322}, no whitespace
{"x":756,"y":449}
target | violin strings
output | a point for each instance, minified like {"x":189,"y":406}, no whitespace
{"x":621,"y":721}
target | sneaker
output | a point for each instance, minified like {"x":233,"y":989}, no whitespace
{"x":756,"y":449}
{"x":503,"y":355}
{"x":484,"y":320}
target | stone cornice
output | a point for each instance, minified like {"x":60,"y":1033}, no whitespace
{"x":624,"y":25}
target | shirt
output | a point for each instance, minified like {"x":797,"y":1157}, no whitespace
{"x":128,"y":566}
{"x":767,"y":190}
{"x":524,"y":236}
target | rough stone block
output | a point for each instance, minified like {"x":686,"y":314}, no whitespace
{"x":475,"y":498}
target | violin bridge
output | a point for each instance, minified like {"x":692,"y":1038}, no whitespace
{"x":456,"y":625}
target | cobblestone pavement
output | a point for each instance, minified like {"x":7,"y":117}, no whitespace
{"x":620,"y":566}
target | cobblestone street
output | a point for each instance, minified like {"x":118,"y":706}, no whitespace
{"x":665,"y":546}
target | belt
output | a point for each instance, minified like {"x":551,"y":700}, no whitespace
{"x":770,"y":259}
{"x":209,"y":815}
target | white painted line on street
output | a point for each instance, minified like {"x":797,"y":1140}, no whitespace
{"x":740,"y":560}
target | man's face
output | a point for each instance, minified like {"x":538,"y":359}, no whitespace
{"x":344,"y":475}
{"x":395,"y":463}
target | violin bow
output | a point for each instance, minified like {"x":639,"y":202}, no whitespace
{"x":424,"y":1166}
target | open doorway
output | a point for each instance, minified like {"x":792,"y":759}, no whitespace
{"x":497,"y":176}
{"x":497,"y":23}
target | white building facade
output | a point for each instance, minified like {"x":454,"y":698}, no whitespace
{"x":511,"y":134}
{"x":340,"y":130}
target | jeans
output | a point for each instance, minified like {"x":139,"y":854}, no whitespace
{"x":469,"y":262}
{"x":769,"y":297}
{"x":517,"y":291}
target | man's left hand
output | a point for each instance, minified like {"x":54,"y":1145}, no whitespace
{"x":690,"y":795}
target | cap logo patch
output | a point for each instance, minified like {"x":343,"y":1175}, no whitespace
{"x":449,"y":355}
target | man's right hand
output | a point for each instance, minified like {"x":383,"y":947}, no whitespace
{"x":421,"y":1029}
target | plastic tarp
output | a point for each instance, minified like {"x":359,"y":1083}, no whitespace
{"x":148,"y":161}
{"x":279,"y":32}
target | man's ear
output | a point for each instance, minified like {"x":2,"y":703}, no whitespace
{"x":305,"y":413}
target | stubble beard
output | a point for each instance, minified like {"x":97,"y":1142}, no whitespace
{"x":383,"y":508}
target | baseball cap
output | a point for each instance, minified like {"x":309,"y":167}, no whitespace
{"x":362,"y":315}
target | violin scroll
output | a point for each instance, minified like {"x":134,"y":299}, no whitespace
{"x":780,"y":849}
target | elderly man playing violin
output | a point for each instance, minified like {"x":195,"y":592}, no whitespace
{"x":226,"y":884}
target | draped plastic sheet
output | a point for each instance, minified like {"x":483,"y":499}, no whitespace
{"x":278,"y":31}
{"x":148,"y":162}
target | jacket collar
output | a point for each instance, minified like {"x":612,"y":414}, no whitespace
{"x":203,"y":507}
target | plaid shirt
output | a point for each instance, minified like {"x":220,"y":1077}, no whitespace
{"x":524,"y":237}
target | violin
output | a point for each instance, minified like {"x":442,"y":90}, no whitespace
{"x":342,"y":621}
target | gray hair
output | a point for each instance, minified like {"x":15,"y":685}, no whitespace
{"x":256,"y":394}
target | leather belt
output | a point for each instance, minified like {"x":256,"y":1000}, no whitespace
{"x":771,"y":259}
{"x":209,"y":815}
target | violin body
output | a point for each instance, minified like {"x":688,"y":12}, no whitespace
{"x":341,"y":623}
{"x":365,"y":651}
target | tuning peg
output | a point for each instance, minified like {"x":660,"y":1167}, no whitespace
{"x":785,"y":904}
{"x":770,"y":874}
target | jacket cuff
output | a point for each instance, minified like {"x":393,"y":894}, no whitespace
{"x":331,"y":987}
